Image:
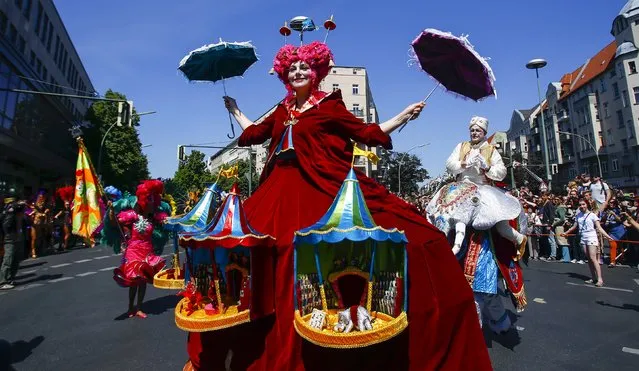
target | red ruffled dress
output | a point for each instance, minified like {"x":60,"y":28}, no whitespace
{"x":307,"y":163}
{"x":139,"y":263}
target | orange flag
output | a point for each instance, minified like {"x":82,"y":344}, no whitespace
{"x":86,"y":215}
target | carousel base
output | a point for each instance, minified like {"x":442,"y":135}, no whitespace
{"x":385,"y":327}
{"x":161,"y":280}
{"x":200,"y":321}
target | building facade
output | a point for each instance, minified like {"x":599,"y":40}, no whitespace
{"x":592,"y":114}
{"x":356,"y":93}
{"x":36,"y":54}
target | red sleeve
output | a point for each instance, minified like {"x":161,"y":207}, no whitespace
{"x":259,"y":133}
{"x":368,"y":134}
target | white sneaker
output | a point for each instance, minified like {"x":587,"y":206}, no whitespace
{"x":581,"y":262}
{"x":573,"y":261}
{"x":6,"y":286}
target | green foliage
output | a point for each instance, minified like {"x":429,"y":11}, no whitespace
{"x":191,"y":175}
{"x":412,"y":172}
{"x":123,"y":164}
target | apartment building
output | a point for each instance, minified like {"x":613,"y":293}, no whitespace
{"x":591,"y":114}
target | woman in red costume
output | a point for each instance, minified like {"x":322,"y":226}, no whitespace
{"x":66,"y":195}
{"x":139,"y":224}
{"x":309,"y":156}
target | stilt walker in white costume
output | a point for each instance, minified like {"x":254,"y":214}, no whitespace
{"x":493,"y":245}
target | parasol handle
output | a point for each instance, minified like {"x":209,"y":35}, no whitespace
{"x":230,"y":119}
{"x":425,"y":99}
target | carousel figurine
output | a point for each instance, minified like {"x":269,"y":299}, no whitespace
{"x":194,"y":221}
{"x":222,"y":254}
{"x":348,"y":233}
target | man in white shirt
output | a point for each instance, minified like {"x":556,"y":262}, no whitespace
{"x":600,"y":192}
{"x":588,"y":224}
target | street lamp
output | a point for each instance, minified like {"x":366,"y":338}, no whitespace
{"x":590,"y":144}
{"x":536,"y":64}
{"x":107,"y":133}
{"x":399,"y":171}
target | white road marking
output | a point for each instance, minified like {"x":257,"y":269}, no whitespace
{"x":540,"y":300}
{"x":519,"y":328}
{"x":637,"y":281}
{"x":630,"y":350}
{"x":60,"y":265}
{"x":82,"y":261}
{"x":29,"y":286}
{"x":85,"y":274}
{"x":101,"y":257}
{"x":28,"y":272}
{"x":595,"y":287}
{"x":107,"y":269}
{"x":60,"y":279}
{"x":2,"y":293}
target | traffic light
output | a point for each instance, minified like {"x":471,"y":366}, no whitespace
{"x":125,"y":113}
{"x":181,"y":156}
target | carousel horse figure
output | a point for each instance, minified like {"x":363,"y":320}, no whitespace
{"x":473,"y":204}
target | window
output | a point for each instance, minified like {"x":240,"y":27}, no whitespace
{"x":13,"y":34}
{"x":22,"y":44}
{"x":602,"y":84}
{"x":635,"y":90}
{"x":50,"y":37}
{"x":355,"y":89}
{"x":624,"y":143}
{"x":32,"y":59}
{"x":602,"y":139}
{"x":624,"y":101}
{"x":335,"y":87}
{"x":605,"y":107}
{"x":572,"y":172}
{"x":38,"y":66}
{"x":620,"y":123}
{"x":604,"y":167}
{"x":38,"y":19}
{"x":57,"y":48}
{"x":357,"y":111}
{"x":3,"y":23}
{"x":26,"y":11}
{"x":354,"y":71}
{"x":630,"y":129}
{"x":45,"y":27}
{"x":615,"y":89}
{"x":615,"y":164}
{"x":632,"y":66}
{"x":45,"y":73}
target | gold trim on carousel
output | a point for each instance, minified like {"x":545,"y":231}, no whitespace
{"x":209,"y":322}
{"x":192,"y":238}
{"x":317,"y":231}
{"x":354,"y":339}
{"x":161,"y":282}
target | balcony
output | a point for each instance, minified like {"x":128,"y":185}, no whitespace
{"x":564,"y":137}
{"x":562,"y":116}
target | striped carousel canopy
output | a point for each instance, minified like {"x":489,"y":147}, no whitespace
{"x":348,"y":218}
{"x":228,"y":229}
{"x":195,"y":220}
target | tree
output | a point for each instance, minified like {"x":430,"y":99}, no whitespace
{"x":123,"y":164}
{"x":191,"y":175}
{"x":412,"y":171}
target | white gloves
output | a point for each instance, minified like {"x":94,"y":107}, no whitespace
{"x":478,"y":161}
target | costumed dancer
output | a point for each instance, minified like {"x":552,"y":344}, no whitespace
{"x":139,"y":218}
{"x":474,"y":201}
{"x":310,"y":153}
{"x":66,"y":195}
{"x":39,"y":219}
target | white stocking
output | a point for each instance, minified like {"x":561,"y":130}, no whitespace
{"x":460,"y":233}
{"x":506,"y":231}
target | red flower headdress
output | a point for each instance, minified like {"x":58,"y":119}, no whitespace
{"x":150,"y":191}
{"x":316,"y":54}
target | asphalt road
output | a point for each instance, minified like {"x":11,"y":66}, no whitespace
{"x":68,"y":314}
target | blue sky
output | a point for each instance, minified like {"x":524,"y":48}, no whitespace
{"x":134,"y":47}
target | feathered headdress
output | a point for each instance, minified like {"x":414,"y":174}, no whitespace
{"x":113,"y":193}
{"x":150,"y":191}
{"x":316,"y":54}
{"x":66,"y":193}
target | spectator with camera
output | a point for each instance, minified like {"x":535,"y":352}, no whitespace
{"x":11,"y":236}
{"x":613,"y":223}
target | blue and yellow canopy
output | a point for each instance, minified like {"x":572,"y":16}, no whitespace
{"x":348,"y":218}
{"x":196,"y":219}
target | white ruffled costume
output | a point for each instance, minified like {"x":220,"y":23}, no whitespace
{"x":492,"y":207}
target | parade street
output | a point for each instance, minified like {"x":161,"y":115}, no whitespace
{"x":67,"y":313}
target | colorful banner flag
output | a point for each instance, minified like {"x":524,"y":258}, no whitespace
{"x":368,"y":154}
{"x":86,"y":215}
